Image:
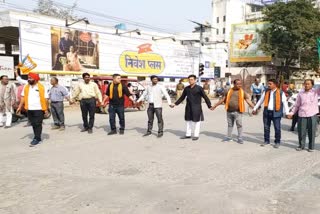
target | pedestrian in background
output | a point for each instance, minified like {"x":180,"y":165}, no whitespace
{"x":179,"y":89}
{"x":8,"y":100}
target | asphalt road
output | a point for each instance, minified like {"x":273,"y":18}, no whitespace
{"x":73,"y":172}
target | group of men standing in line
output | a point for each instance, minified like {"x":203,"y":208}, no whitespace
{"x":35,"y":101}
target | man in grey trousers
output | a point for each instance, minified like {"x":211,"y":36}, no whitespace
{"x":234,"y":100}
{"x":56,"y":96}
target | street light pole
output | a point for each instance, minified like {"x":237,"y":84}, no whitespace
{"x":202,"y":28}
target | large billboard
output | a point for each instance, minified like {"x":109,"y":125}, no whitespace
{"x":74,"y":50}
{"x":245,"y":41}
{"x":66,"y":49}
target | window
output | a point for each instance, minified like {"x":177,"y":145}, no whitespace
{"x":224,"y":31}
{"x":172,"y":79}
{"x":224,"y":18}
{"x":2,"y":49}
{"x":217,"y":19}
{"x":217,"y":31}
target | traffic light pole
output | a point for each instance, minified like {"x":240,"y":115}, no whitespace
{"x":200,"y":53}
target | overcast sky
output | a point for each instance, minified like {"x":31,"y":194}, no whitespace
{"x":172,"y":15}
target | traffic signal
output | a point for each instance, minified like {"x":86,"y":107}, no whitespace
{"x":201,"y":69}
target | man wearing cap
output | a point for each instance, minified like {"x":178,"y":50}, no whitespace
{"x":154,"y":93}
{"x":34,"y":98}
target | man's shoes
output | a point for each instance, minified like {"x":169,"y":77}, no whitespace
{"x":310,"y":150}
{"x":240,"y":141}
{"x":195,"y":138}
{"x":84,"y":130}
{"x":160,"y":135}
{"x":147,"y":134}
{"x":185,"y":137}
{"x":121,"y":132}
{"x":1,"y":124}
{"x":90,"y":131}
{"x":62,"y":128}
{"x":7,"y":127}
{"x":113,"y":132}
{"x":299,"y":149}
{"x":34,"y":142}
{"x":55,"y":127}
{"x":276,"y":146}
{"x":264,"y":144}
{"x":291,"y":129}
{"x":227,"y":139}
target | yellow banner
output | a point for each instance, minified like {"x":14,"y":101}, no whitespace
{"x":144,"y":63}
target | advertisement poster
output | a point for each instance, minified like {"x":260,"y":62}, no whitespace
{"x":74,"y":50}
{"x":6,"y":66}
{"x":245,"y":41}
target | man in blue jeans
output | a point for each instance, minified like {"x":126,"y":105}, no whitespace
{"x":275,"y":103}
{"x":115,"y":92}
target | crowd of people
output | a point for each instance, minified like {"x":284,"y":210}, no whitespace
{"x":36,"y":100}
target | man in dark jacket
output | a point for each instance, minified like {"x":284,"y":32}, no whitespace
{"x":193,"y":112}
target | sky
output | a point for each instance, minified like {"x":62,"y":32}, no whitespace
{"x":171,"y":15}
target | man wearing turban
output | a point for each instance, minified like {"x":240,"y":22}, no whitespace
{"x":34,"y":98}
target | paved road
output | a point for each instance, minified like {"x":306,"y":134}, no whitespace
{"x":73,"y":172}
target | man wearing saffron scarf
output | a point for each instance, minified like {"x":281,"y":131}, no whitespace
{"x":275,"y":103}
{"x":234,"y":103}
{"x":34,"y":98}
{"x":115,"y":92}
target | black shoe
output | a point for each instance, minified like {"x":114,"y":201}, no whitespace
{"x":160,"y":135}
{"x":291,"y":130}
{"x":84,"y":130}
{"x":113,"y":132}
{"x":185,"y":137}
{"x":195,"y":138}
{"x":90,"y":131}
{"x":264,"y":144}
{"x":122,"y":132}
{"x":147,"y":134}
{"x":299,"y":149}
{"x":34,"y":142}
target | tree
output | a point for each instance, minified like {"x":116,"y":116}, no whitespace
{"x":49,"y":8}
{"x":292,"y":34}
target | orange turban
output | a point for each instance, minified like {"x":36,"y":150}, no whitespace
{"x":34,"y":76}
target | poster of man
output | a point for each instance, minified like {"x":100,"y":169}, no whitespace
{"x":74,"y":50}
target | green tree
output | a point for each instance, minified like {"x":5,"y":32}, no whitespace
{"x":292,"y":34}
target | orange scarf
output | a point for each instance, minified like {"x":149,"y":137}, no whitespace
{"x":278,"y":99}
{"x":41,"y":94}
{"x":119,"y":90}
{"x":240,"y":102}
